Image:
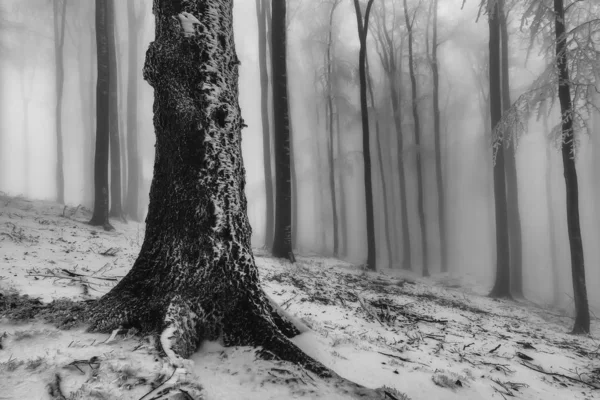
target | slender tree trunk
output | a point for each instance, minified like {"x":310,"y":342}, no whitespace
{"x":294,"y":178}
{"x":85,"y":122}
{"x":417,"y":124}
{"x":59,"y":41}
{"x":363,"y":30}
{"x":551,"y":215}
{"x":439,"y":177}
{"x":502,"y":285}
{"x":263,"y":20}
{"x":132,"y":203}
{"x":341,"y":180}
{"x":384,"y":194}
{"x":100,"y":216}
{"x":396,"y":110}
{"x":116,"y":209}
{"x":331,"y":140}
{"x":195,"y":278}
{"x":582,"y":318}
{"x":512,"y":187}
{"x":282,"y":241}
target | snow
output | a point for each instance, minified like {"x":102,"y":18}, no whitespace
{"x":437,"y":338}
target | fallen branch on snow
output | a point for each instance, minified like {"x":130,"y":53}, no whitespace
{"x":571,"y":378}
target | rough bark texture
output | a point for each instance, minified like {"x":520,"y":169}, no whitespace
{"x":100,"y":216}
{"x":502,"y":284}
{"x":132,"y":203}
{"x":363,"y":30}
{"x":582,"y":317}
{"x":386,"y":211}
{"x":116,"y":209}
{"x":417,"y":125}
{"x":330,"y":120}
{"x":262,"y":18}
{"x":439,"y":177}
{"x":195,"y":278}
{"x":512,"y":186}
{"x":60,"y":11}
{"x":282,"y":241}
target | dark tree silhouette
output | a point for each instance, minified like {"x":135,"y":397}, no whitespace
{"x":502,"y":283}
{"x":282,"y":241}
{"x":582,"y":317}
{"x":512,"y":187}
{"x":363,"y":31}
{"x":116,"y":209}
{"x":132,"y":203}
{"x":417,"y":123}
{"x":100,"y":216}
{"x":195,"y":278}
{"x":59,"y":12}
{"x":262,"y":16}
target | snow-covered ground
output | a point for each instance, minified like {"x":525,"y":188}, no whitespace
{"x":426,"y":338}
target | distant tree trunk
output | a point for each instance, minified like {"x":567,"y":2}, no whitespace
{"x":416,"y":120}
{"x":551,"y":215}
{"x":100,"y":216}
{"x":86,"y":121}
{"x":59,"y":41}
{"x":25,"y":101}
{"x":282,"y":241}
{"x":330,"y":118}
{"x":363,"y":31}
{"x":439,"y":177}
{"x":512,"y":187}
{"x":343,"y":211}
{"x":294,"y":179}
{"x":195,"y":278}
{"x":132,"y":204}
{"x":263,"y":20}
{"x":582,"y":318}
{"x":502,"y":285}
{"x":384,"y":194}
{"x":116,"y":210}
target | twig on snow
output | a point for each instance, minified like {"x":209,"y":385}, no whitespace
{"x":572,"y":378}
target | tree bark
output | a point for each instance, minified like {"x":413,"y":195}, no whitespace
{"x":582,"y":317}
{"x":363,"y":30}
{"x":262,"y":18}
{"x":439,"y":177}
{"x":502,"y":284}
{"x":100,"y":216}
{"x":512,"y":186}
{"x":116,"y":209}
{"x":282,"y":241}
{"x":417,"y":124}
{"x":195,"y":278}
{"x":59,"y":41}
{"x":384,"y":194}
{"x":343,"y":212}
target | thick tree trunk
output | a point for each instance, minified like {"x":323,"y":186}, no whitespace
{"x":363,"y":30}
{"x":582,"y":318}
{"x":116,"y":209}
{"x":282,"y":241}
{"x":417,"y":124}
{"x":59,"y":41}
{"x":502,"y":284}
{"x":384,"y":194}
{"x":330,"y":119}
{"x":195,"y":278}
{"x":263,"y":20}
{"x":100,"y":216}
{"x":439,"y":177}
{"x":132,"y":203}
{"x":512,"y":186}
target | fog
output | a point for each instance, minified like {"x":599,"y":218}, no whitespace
{"x":28,"y":155}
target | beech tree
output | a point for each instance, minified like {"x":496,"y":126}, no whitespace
{"x":59,"y":13}
{"x":100,"y":216}
{"x":195,"y":278}
{"x":363,"y":30}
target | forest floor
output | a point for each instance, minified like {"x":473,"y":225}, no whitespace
{"x":427,"y":338}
